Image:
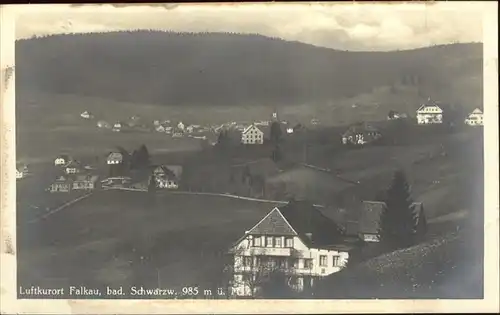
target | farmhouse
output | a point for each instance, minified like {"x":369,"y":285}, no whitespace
{"x":86,"y":115}
{"x":114,"y":158}
{"x":360,"y":134}
{"x":61,"y":184}
{"x":296,"y":239}
{"x":85,"y":182}
{"x":117,"y":126}
{"x":369,"y":220}
{"x":103,"y":124}
{"x":167,"y":176}
{"x":73,"y":167}
{"x":429,"y":114}
{"x":62,"y":160}
{"x":475,"y":118}
{"x":21,"y":171}
{"x":252,"y":135}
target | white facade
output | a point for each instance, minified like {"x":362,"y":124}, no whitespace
{"x":180,"y":125}
{"x":302,"y":264}
{"x":86,"y":115}
{"x":475,"y":118}
{"x":117,"y":127}
{"x":114,"y":158}
{"x":252,"y":135}
{"x":289,"y":130}
{"x":429,"y":114}
{"x":61,"y":161}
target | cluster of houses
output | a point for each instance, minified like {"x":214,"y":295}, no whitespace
{"x":73,"y":175}
{"x":298,"y":240}
{"x":434,"y":113}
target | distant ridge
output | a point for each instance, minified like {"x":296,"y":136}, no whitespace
{"x":230,"y":69}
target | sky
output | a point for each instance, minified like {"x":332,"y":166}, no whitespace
{"x":346,"y":26}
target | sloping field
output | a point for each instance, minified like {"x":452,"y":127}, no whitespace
{"x":436,"y":269}
{"x":100,"y":240}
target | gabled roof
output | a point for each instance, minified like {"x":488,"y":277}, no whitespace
{"x":305,"y":218}
{"x":115,"y":155}
{"x":252,"y":126}
{"x":477,"y":111}
{"x":173,"y":171}
{"x":274,"y":223}
{"x":430,"y":105}
{"x":370,"y":216}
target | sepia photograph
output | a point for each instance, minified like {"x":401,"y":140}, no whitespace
{"x":250,"y":152}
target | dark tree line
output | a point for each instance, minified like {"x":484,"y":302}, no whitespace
{"x":233,"y":67}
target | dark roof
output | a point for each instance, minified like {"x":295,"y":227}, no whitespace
{"x":306,"y":218}
{"x":370,"y":216}
{"x":273,"y":223}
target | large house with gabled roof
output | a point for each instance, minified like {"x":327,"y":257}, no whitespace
{"x":252,"y":135}
{"x":296,"y":239}
{"x":430,"y":113}
{"x":475,"y":118}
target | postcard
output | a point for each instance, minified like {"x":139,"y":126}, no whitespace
{"x":249,"y":158}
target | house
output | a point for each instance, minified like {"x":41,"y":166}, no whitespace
{"x":296,"y":239}
{"x":393,"y":115}
{"x":180,"y":126}
{"x":73,"y":167}
{"x":85,"y":182}
{"x":62,"y":160}
{"x":86,"y":115}
{"x":360,"y":134}
{"x":289,"y":130}
{"x":252,"y":135}
{"x":167,"y":176}
{"x":103,"y":124}
{"x":61,"y":184}
{"x":429,"y":113}
{"x":114,"y":158}
{"x":21,"y":171}
{"x":117,"y":126}
{"x":475,"y":118}
{"x":160,"y":128}
{"x":189,"y":129}
{"x":369,"y":220}
{"x":177,"y":133}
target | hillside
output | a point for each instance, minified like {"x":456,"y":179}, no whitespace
{"x":223,"y":69}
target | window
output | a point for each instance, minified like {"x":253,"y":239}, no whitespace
{"x":335,"y":261}
{"x":323,"y":261}
{"x":258,"y":261}
{"x":308,"y":263}
{"x":269,"y":241}
{"x":247,"y":261}
{"x":277,"y":242}
{"x":257,"y":241}
{"x":295,"y":263}
{"x":289,"y":242}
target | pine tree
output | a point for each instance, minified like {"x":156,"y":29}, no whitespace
{"x":398,"y":221}
{"x":275,"y":133}
{"x":277,"y":154}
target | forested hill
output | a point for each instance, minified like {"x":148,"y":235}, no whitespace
{"x":233,"y":69}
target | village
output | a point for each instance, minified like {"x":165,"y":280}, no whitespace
{"x":320,"y":198}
